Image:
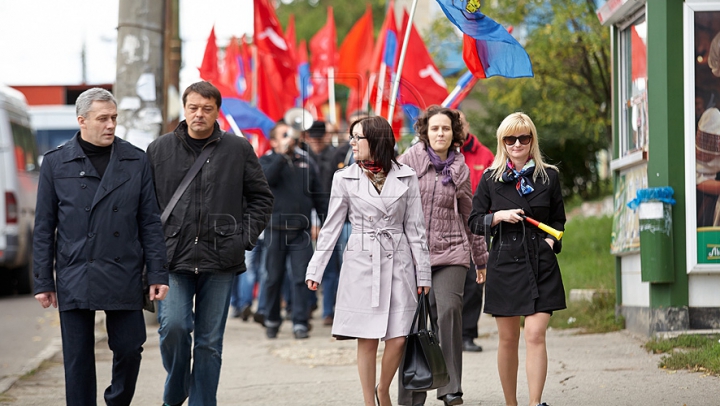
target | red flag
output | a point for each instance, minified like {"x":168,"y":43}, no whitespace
{"x":279,"y":79}
{"x":421,"y":81}
{"x":379,"y":51}
{"x":209,"y":67}
{"x":231,"y":69}
{"x":355,"y":53}
{"x":270,"y":96}
{"x":322,"y":58}
{"x":290,"y":38}
{"x":246,"y":70}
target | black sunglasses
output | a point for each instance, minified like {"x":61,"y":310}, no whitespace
{"x":511,"y":140}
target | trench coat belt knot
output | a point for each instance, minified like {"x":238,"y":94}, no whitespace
{"x":382,"y":239}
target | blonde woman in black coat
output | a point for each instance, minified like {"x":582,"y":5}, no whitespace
{"x":523,"y":277}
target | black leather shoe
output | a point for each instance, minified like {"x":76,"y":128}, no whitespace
{"x":469,"y":346}
{"x":452,"y":400}
{"x":271,"y":332}
{"x":245,"y":313}
{"x":301,"y":334}
{"x":542,"y":404}
{"x":259,"y":318}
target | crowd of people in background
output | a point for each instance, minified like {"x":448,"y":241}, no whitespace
{"x":219,"y":233}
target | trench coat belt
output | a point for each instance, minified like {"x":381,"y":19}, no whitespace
{"x":376,"y":235}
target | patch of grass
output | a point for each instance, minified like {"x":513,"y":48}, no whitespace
{"x":586,"y":263}
{"x":694,"y":352}
{"x":593,"y":317}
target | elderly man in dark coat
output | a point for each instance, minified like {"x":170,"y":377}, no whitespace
{"x":96,"y":225}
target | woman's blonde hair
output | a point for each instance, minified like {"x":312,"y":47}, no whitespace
{"x":513,"y":124}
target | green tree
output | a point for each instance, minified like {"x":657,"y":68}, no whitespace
{"x":569,"y":98}
{"x":310,"y":15}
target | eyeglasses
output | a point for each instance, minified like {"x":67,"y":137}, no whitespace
{"x":511,"y":140}
{"x":357,"y":137}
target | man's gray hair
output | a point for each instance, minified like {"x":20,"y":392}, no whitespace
{"x":86,"y":98}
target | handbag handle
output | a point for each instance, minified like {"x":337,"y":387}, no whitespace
{"x":422,"y":314}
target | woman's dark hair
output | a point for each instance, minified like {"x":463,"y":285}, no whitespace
{"x":422,"y":125}
{"x":380,"y":138}
{"x":204,"y":89}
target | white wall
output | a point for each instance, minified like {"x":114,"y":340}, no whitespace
{"x":704,"y":290}
{"x":634,"y":291}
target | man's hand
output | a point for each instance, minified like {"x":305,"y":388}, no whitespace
{"x":285,"y":145}
{"x":314,"y":232}
{"x":312,"y":285}
{"x":158,"y":292}
{"x":46,"y":299}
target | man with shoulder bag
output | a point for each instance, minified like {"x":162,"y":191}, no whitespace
{"x":225,"y":204}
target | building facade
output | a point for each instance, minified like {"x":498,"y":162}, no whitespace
{"x":666,"y":132}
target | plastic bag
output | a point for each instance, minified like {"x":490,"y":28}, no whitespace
{"x":654,"y":194}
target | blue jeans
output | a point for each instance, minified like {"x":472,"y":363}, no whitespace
{"x":178,"y":320}
{"x":244,"y":284}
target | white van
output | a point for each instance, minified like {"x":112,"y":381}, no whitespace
{"x":19,"y":172}
{"x":53,"y":125}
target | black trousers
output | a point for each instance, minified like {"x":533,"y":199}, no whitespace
{"x":126,"y":335}
{"x":472,"y":304}
{"x":279,"y":246}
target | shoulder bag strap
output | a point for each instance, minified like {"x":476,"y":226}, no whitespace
{"x":189,"y":176}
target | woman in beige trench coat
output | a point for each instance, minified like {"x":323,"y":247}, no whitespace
{"x":386,"y":263}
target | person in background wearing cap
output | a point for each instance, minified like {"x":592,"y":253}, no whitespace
{"x":478,"y":157}
{"x":318,"y":141}
{"x":294,"y":181}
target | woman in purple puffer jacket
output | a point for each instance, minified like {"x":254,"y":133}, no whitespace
{"x":447,"y":201}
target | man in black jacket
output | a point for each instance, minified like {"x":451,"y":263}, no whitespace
{"x":218,"y":217}
{"x":294,"y":180}
{"x":96,"y":225}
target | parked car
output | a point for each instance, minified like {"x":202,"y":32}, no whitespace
{"x":19,"y":170}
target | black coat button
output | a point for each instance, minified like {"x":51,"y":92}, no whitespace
{"x":84,"y":186}
{"x":115,"y":208}
{"x":91,"y":260}
{"x":87,"y":209}
{"x":91,"y":235}
{"x":117,"y":259}
{"x":116,"y":234}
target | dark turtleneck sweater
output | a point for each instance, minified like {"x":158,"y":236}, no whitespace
{"x":99,"y":156}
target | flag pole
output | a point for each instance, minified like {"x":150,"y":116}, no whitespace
{"x":380,"y":88}
{"x":331,"y":93}
{"x":254,"y":92}
{"x":398,"y":74}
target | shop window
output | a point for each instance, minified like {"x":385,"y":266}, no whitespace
{"x":633,"y":88}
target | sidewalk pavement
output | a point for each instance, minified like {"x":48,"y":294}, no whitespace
{"x":592,"y":369}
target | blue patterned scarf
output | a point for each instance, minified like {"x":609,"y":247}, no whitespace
{"x":523,"y":183}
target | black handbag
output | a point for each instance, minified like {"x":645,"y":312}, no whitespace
{"x":423,"y":365}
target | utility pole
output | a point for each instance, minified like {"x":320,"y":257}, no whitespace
{"x":147,"y":39}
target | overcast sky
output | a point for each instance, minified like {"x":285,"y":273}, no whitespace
{"x":41,"y":40}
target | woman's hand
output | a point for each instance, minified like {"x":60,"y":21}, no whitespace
{"x":550,"y":242}
{"x":481,"y":274}
{"x":425,"y":288}
{"x":509,"y":216}
{"x":312,"y":285}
